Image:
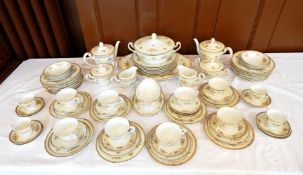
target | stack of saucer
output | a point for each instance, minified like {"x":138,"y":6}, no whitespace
{"x":148,"y":99}
{"x":60,"y":75}
{"x":109,"y":104}
{"x":252,"y":65}
{"x":228,"y":129}
{"x":185,"y":106}
{"x":70,"y":103}
{"x":218,"y":93}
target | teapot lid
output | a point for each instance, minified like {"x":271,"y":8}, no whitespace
{"x":154,"y":44}
{"x":102,"y":49}
{"x":212,"y":45}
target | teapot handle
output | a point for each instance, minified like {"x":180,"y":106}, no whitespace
{"x":230,"y":53}
{"x":130,"y":46}
{"x":177,"y":46}
{"x":88,"y":55}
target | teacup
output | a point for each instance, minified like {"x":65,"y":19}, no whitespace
{"x":219,"y":88}
{"x":224,"y":74}
{"x":119,"y":131}
{"x":110,"y":102}
{"x":169,"y":136}
{"x":66,"y":130}
{"x":258,"y":92}
{"x":101,"y":73}
{"x":23,"y":127}
{"x":127,"y":76}
{"x":188,"y":76}
{"x":229,"y":119}
{"x":148,"y":91}
{"x":28,"y":101}
{"x":68,"y":99}
{"x":186,"y":95}
{"x":275,"y":120}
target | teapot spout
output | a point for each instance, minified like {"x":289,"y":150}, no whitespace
{"x":116,"y":48}
{"x":197,"y":45}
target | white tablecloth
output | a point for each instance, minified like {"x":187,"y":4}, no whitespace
{"x":265,"y":155}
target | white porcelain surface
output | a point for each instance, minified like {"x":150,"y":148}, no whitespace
{"x":252,"y":57}
{"x":259,"y":90}
{"x":67,"y":98}
{"x":229,"y":120}
{"x":110,"y":102}
{"x":275,"y":118}
{"x":28,"y":101}
{"x":186,"y":94}
{"x":57,"y":68}
{"x":23,"y":126}
{"x":148,"y":90}
{"x":66,"y":129}
{"x":218,"y":84}
{"x":127,"y":76}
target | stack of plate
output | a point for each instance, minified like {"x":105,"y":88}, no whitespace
{"x":252,"y":65}
{"x":150,"y":69}
{"x":60,"y":75}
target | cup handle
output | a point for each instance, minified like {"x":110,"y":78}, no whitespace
{"x":201,"y":76}
{"x":177,"y":46}
{"x":230,"y":53}
{"x":197,"y":60}
{"x":131,"y":130}
{"x":115,"y":64}
{"x":183,"y":131}
{"x":76,"y":100}
{"x":90,"y":78}
{"x":86,"y":56}
{"x":130,"y":46}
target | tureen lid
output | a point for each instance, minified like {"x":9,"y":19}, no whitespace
{"x":102,"y":49}
{"x":154,"y":44}
{"x":212,"y":45}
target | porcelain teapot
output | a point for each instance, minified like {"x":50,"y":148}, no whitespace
{"x":103,"y":53}
{"x":212,"y":49}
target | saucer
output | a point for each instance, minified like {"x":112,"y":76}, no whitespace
{"x":235,"y":98}
{"x":37,"y":129}
{"x":178,"y":157}
{"x":23,"y":112}
{"x":191,"y":108}
{"x":148,"y":112}
{"x":121,"y":154}
{"x":261,"y":123}
{"x":123,"y":111}
{"x":60,"y":151}
{"x":82,"y":107}
{"x":233,"y":142}
{"x":185,"y":118}
{"x":247,"y":98}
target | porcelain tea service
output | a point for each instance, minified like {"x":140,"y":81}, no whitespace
{"x":109,"y":102}
{"x":188,"y":76}
{"x":185,"y":100}
{"x":67,"y":132}
{"x":102,"y":73}
{"x":212,"y":49}
{"x":29,"y":105}
{"x":127,"y":76}
{"x":103,"y":53}
{"x":25,"y":130}
{"x":253,"y":59}
{"x":67,"y":100}
{"x":119,"y":131}
{"x":256,"y":96}
{"x":58,"y":70}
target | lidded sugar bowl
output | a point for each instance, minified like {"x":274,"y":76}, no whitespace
{"x":212,"y":49}
{"x":155,"y":48}
{"x":103,"y":53}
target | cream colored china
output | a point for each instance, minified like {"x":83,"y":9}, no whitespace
{"x":29,"y":105}
{"x":154,"y":48}
{"x":101,"y":116}
{"x":101,"y":73}
{"x":103,"y":53}
{"x":127,"y":76}
{"x":169,"y":135}
{"x":25,"y":130}
{"x":185,"y":96}
{"x":229,"y":119}
{"x":109,"y":102}
{"x":78,"y":138}
{"x":152,"y":87}
{"x":67,"y":99}
{"x":219,"y":89}
{"x":60,"y":111}
{"x":256,"y":96}
{"x":119,"y":131}
{"x":212,"y":49}
{"x":274,"y":123}
{"x":253,"y":59}
{"x":148,"y":109}
{"x":184,"y":151}
{"x":57,"y":68}
{"x":188,"y":76}
{"x":123,"y":153}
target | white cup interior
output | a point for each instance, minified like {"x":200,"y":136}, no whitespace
{"x":26,"y":98}
{"x":22,"y":124}
{"x":259,"y":90}
{"x":58,"y":68}
{"x":218,"y":84}
{"x":185,"y":93}
{"x":116,"y":127}
{"x":229,"y":115}
{"x":65,"y":127}
{"x":66,"y":94}
{"x":108,"y":97}
{"x":169,"y":133}
{"x":276,"y":116}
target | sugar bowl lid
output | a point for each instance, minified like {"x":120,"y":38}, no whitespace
{"x":212,"y":45}
{"x":102,"y":49}
{"x":154,"y":44}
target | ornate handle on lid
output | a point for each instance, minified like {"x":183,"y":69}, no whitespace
{"x":212,"y":40}
{"x":101,"y":44}
{"x":130,"y":46}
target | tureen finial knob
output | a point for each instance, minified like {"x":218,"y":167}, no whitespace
{"x":154,"y":36}
{"x":101,"y":44}
{"x":212,"y":40}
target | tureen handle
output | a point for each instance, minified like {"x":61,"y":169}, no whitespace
{"x":230,"y":53}
{"x":130,"y":46}
{"x":177,"y":46}
{"x":88,"y":55}
{"x":197,"y":45}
